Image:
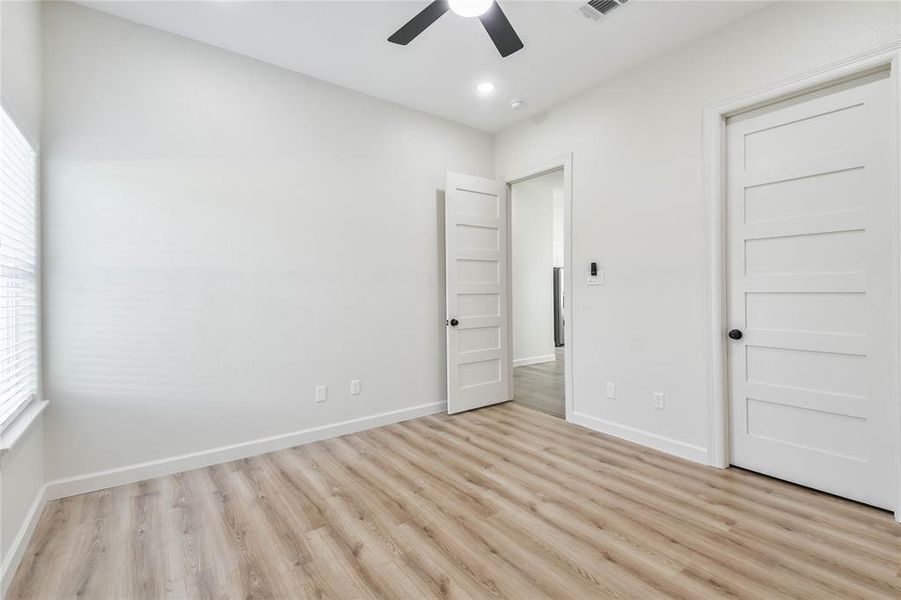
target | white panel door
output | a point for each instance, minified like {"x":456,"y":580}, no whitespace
{"x":811,"y":259}
{"x":476,"y":250}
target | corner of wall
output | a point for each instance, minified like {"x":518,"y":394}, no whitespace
{"x":22,"y":469}
{"x":22,"y":497}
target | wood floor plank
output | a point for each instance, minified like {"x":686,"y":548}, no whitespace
{"x":511,"y":536}
{"x":611,"y":552}
{"x":685,"y":479}
{"x":632,"y":518}
{"x":821,"y":559}
{"x":504,"y":502}
{"x":540,"y":386}
{"x":379,"y":518}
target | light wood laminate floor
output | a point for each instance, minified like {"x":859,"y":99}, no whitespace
{"x":541,"y":386}
{"x":504,"y":502}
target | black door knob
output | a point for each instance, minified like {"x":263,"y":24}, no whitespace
{"x":454,"y":322}
{"x":735,"y":334}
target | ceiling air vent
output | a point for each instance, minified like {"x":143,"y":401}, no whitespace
{"x":595,"y":9}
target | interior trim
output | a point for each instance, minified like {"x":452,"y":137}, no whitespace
{"x":20,"y":543}
{"x":99,"y":480}
{"x":21,"y":425}
{"x":534,"y":360}
{"x":684,"y":450}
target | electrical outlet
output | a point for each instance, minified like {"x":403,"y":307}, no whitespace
{"x":659,"y":400}
{"x":354,"y":387}
{"x":321,"y":393}
{"x":611,"y":390}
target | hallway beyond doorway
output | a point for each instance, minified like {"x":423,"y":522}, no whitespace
{"x":541,"y":386}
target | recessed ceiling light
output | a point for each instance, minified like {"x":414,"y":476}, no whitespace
{"x":485,"y":88}
{"x":470,"y":8}
{"x":516,"y":103}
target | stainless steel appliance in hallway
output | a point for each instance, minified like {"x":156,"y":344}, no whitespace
{"x":559,"y":303}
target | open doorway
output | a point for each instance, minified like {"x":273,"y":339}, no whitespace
{"x":479,"y":294}
{"x":537,"y":292}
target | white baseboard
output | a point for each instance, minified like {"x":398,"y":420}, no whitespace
{"x":20,"y":543}
{"x":100,"y":480}
{"x":534,"y":360}
{"x":684,"y":450}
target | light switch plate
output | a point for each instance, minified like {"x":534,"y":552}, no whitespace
{"x":659,"y":400}
{"x":354,"y":387}
{"x":598,"y":280}
{"x":321,"y":393}
{"x":611,"y":390}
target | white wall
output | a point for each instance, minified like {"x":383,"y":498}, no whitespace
{"x":20,"y":63}
{"x":222,"y":236}
{"x":532,"y":237}
{"x":22,"y":474}
{"x":637,"y":206}
{"x":559,"y":229}
{"x":22,"y":468}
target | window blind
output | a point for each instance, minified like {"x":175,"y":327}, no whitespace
{"x":18,"y":272}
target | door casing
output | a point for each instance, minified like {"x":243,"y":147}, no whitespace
{"x":714,"y":195}
{"x":563,"y":162}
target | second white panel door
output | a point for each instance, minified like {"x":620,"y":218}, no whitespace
{"x":811,"y":265}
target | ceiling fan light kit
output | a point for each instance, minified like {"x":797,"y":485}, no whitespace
{"x":470,"y":8}
{"x":488,"y":12}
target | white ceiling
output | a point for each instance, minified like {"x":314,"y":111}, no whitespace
{"x":345,"y":43}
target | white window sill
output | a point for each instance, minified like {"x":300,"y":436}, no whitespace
{"x":16,"y":430}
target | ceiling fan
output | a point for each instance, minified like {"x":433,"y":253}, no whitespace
{"x":488,"y":11}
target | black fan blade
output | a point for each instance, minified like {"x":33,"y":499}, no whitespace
{"x":420,"y":22}
{"x":500,"y":30}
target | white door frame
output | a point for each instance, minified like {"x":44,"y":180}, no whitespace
{"x":561,"y":162}
{"x":714,"y":195}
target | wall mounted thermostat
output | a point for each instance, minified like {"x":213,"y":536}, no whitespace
{"x":595,"y":274}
